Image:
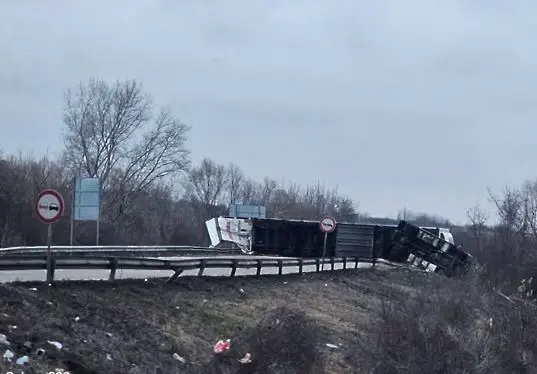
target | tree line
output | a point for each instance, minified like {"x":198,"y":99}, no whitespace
{"x":153,"y":194}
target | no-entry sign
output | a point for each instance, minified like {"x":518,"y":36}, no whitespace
{"x":49,"y":206}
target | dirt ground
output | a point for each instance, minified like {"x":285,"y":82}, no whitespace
{"x":313,"y":323}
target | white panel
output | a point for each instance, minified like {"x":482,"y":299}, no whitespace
{"x":212,"y":229}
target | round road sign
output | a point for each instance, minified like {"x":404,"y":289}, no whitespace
{"x":327,"y":224}
{"x":49,"y":206}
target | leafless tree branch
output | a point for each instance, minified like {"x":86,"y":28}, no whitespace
{"x":103,"y":123}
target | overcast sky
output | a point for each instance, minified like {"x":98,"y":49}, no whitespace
{"x":419,"y":103}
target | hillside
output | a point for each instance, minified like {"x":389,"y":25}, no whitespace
{"x":374,"y":321}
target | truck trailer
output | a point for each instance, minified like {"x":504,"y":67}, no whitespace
{"x":430,"y":248}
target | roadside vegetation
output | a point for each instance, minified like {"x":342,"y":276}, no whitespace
{"x":353,"y":321}
{"x":386,"y":321}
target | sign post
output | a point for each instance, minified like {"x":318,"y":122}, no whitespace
{"x":327,"y":225}
{"x":49,"y":208}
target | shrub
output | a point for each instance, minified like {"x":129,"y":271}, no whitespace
{"x":285,"y":341}
{"x":460,"y":328}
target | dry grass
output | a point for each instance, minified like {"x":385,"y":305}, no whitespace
{"x":395,"y":321}
{"x":285,"y":341}
{"x":460,"y":328}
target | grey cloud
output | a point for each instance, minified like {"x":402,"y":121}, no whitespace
{"x":421,"y":103}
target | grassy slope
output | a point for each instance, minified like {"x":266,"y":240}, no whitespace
{"x":395,"y":321}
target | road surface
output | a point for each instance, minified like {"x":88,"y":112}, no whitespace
{"x":40,"y":275}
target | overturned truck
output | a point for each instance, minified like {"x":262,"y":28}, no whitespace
{"x":430,"y":248}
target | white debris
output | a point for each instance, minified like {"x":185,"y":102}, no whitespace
{"x":109,"y":334}
{"x":3,"y":340}
{"x":77,"y":318}
{"x":145,"y":280}
{"x":58,"y":345}
{"x":108,"y":356}
{"x":326,"y":284}
{"x":50,"y":303}
{"x":12,"y":327}
{"x":8,"y":355}
{"x":331,"y":345}
{"x":246,"y":359}
{"x":179,"y":358}
{"x":241,"y":290}
{"x":33,"y":289}
{"x":22,"y":360}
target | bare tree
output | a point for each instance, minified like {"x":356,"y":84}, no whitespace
{"x":267,"y":190}
{"x":311,"y":202}
{"x":285,"y":202}
{"x":528,"y":194}
{"x":22,"y":179}
{"x":250,"y":192}
{"x":346,"y":210}
{"x":478,"y":225}
{"x":318,"y":200}
{"x":104,"y":133}
{"x":236,"y":180}
{"x":205,"y":186}
{"x":510,"y":209}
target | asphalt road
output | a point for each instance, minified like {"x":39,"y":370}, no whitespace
{"x":40,"y":275}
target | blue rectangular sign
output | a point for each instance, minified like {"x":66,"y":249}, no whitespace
{"x":247,"y":211}
{"x":87,"y":199}
{"x":88,"y":185}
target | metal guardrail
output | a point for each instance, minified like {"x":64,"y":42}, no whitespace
{"x":113,"y":264}
{"x":116,"y":250}
{"x":101,"y":247}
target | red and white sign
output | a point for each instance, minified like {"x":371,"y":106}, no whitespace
{"x":327,"y":224}
{"x":49,"y":206}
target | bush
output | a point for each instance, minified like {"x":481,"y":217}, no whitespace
{"x":285,"y":341}
{"x":459,"y":329}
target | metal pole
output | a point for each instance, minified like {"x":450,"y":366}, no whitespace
{"x":98,"y":228}
{"x":324,"y":248}
{"x":49,"y":253}
{"x":72,"y":233}
{"x":98,"y":223}
{"x":49,"y":239}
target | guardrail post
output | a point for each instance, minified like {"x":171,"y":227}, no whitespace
{"x":175,"y":275}
{"x":318,"y":264}
{"x":356,"y":262}
{"x":202,"y":268}
{"x":344,"y":263}
{"x":374,"y":262}
{"x":300,"y":266}
{"x":332,"y":263}
{"x":259,"y":265}
{"x":51,"y":266}
{"x":233,"y":268}
{"x":280,"y":267}
{"x":113,"y":268}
